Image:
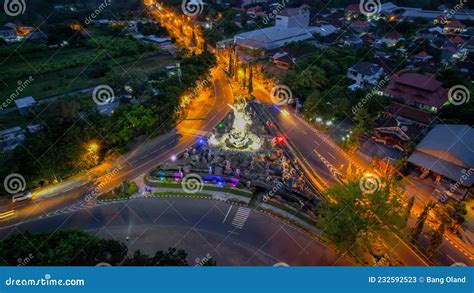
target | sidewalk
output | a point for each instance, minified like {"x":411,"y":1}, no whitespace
{"x":223,"y":196}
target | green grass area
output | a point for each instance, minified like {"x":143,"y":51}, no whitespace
{"x":164,"y":184}
{"x":237,"y":201}
{"x":112,"y":196}
{"x":12,"y":119}
{"x":229,"y":190}
{"x":181,"y":194}
{"x":123,"y":191}
{"x":18,"y":65}
{"x":205,"y":187}
{"x":293,"y":212}
{"x":67,"y":79}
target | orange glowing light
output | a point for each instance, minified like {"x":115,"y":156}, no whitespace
{"x":93,"y":147}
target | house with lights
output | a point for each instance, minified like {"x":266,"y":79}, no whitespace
{"x":390,"y":39}
{"x":364,"y":73}
{"x":400,"y":124}
{"x":418,"y":90}
{"x":454,"y":27}
{"x":360,"y":26}
{"x":352,"y":12}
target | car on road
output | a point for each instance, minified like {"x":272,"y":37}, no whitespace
{"x":22,"y":196}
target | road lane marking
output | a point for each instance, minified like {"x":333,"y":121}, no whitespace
{"x":332,"y":156}
{"x":7,"y":214}
{"x":451,"y":258}
{"x":228,"y":211}
{"x":157,"y":150}
{"x":240,"y":217}
{"x":334,"y":171}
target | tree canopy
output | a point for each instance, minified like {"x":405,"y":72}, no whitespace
{"x":74,"y":247}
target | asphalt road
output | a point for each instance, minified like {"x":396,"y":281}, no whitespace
{"x":231,"y":234}
{"x":326,"y":160}
{"x":205,"y":113}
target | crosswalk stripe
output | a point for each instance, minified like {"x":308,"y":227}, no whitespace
{"x":240,"y":217}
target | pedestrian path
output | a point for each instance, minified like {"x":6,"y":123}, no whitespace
{"x":240,"y":217}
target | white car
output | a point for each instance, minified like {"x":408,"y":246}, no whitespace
{"x":22,"y":196}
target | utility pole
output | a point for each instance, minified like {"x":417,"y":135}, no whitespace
{"x":250,"y":86}
{"x":179,"y":72}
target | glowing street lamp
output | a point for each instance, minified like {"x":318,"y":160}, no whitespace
{"x":241,"y":73}
{"x":93,"y":147}
{"x":92,"y":154}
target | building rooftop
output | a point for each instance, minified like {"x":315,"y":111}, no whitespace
{"x":457,"y":40}
{"x":366,"y":68}
{"x":408,"y":112}
{"x":353,"y":8}
{"x":10,"y":131}
{"x":450,"y":142}
{"x":455,"y":23}
{"x":291,"y":11}
{"x":360,"y":23}
{"x":393,"y":35}
{"x":422,"y":54}
{"x":354,"y":39}
{"x":272,"y":37}
{"x":417,"y":88}
{"x":388,"y":7}
{"x":448,"y":150}
{"x":25,"y":102}
{"x":417,"y":80}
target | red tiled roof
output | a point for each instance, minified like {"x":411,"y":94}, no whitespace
{"x":254,"y":9}
{"x":456,"y":40}
{"x":285,"y":59}
{"x":369,"y":39}
{"x":353,"y":8}
{"x":409,"y":113}
{"x":455,"y":23}
{"x":417,"y":88}
{"x":360,"y":23}
{"x":393,"y":35}
{"x":422,"y":54}
{"x":451,"y":49}
{"x":425,"y":82}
